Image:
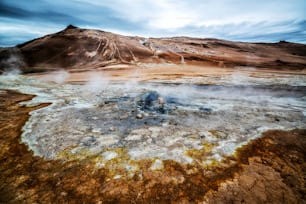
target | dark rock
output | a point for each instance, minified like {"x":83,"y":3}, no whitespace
{"x":171,"y":100}
{"x":152,"y":102}
{"x":89,"y":141}
{"x":206,"y":110}
{"x":150,"y":97}
{"x":71,"y":27}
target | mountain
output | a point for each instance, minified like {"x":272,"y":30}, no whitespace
{"x":75,"y":48}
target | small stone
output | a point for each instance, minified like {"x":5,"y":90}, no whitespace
{"x":157,"y":165}
{"x":109,"y":155}
{"x":139,"y":116}
{"x":117,"y":176}
{"x":165,"y":124}
{"x":63,"y":193}
{"x":161,"y":100}
{"x":247,"y":181}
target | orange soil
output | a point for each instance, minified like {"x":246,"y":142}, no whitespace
{"x":166,"y":72}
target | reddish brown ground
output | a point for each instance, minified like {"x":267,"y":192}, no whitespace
{"x":270,"y":169}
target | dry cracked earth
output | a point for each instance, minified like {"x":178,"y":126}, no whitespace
{"x":205,"y":139}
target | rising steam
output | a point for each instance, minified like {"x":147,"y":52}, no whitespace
{"x":96,"y":83}
{"x":57,"y":76}
{"x":10,"y":62}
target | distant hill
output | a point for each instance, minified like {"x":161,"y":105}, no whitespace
{"x":86,"y":48}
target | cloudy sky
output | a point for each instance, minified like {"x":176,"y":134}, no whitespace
{"x":240,"y":20}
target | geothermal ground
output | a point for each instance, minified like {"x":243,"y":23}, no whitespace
{"x":154,"y":134}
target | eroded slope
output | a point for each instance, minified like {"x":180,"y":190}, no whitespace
{"x":75,"y":48}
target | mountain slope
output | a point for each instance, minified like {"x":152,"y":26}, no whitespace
{"x":85,"y":48}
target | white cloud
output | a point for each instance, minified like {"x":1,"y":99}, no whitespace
{"x":18,"y":31}
{"x":227,"y":19}
{"x":162,"y":14}
{"x":31,"y":29}
{"x":174,"y":14}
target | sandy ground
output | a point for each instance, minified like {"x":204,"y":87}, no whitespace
{"x":165,"y":72}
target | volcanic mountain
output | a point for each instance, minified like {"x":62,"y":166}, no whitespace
{"x":76,"y":48}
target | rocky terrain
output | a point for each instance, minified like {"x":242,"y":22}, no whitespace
{"x":117,"y":119}
{"x":153,"y":142}
{"x":75,"y":48}
{"x":270,"y":169}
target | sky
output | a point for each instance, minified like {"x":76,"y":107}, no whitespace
{"x":238,"y":20}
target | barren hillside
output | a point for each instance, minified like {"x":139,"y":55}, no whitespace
{"x":76,"y":48}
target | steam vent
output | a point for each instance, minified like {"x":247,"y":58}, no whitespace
{"x":88,"y":116}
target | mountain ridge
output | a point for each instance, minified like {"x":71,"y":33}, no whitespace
{"x":75,"y":47}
